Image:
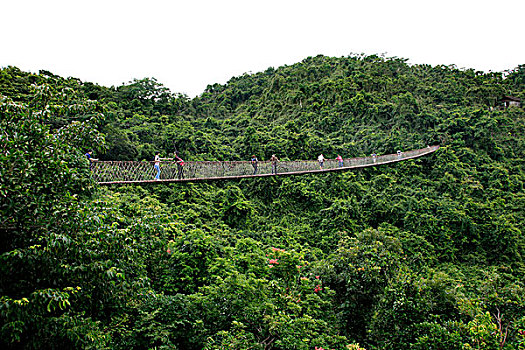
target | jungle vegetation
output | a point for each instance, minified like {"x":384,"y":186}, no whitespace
{"x":422,"y":254}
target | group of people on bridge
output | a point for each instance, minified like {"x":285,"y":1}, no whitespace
{"x":274,"y":160}
{"x":253,"y":160}
{"x":180,"y":165}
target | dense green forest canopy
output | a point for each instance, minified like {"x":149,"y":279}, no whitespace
{"x":422,"y":254}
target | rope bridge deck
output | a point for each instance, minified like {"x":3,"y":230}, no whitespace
{"x":134,"y":172}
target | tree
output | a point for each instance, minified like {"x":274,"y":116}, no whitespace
{"x":43,"y":175}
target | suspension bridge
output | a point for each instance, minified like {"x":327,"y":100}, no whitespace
{"x":138,"y":172}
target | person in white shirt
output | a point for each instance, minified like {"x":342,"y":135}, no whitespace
{"x":157,"y":164}
{"x":320,"y":159}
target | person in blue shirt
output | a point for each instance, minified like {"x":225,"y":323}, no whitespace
{"x":89,"y":156}
{"x":254,"y":162}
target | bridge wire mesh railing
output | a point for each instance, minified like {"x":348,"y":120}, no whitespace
{"x":144,"y":171}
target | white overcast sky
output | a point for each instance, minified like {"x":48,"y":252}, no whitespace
{"x":187,"y":45}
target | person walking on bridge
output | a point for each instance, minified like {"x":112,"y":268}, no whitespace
{"x":320,"y":159}
{"x":340,"y":160}
{"x":274,"y":161}
{"x":89,"y":156}
{"x":157,"y":164}
{"x":254,"y":162}
{"x":180,"y":167}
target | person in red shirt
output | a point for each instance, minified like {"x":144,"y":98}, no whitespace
{"x":340,"y":160}
{"x":180,"y":166}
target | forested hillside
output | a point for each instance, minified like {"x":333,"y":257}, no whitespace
{"x":421,"y":254}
